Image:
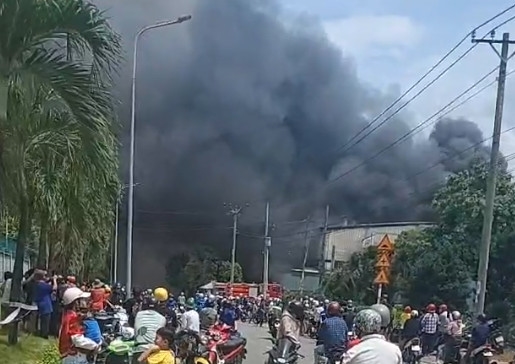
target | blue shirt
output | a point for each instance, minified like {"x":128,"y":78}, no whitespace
{"x":228,"y":316}
{"x":43,"y":297}
{"x":92,"y":330}
{"x":479,"y":335}
{"x":333,"y":335}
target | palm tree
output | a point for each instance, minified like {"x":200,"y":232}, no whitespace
{"x":56,"y":61}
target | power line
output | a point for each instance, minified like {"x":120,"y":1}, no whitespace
{"x":410,"y":132}
{"x":347,"y":146}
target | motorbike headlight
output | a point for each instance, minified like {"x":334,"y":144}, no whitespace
{"x":281,"y":360}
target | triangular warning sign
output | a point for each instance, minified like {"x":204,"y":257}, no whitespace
{"x":385,"y":244}
{"x":383,"y":261}
{"x":382,"y":277}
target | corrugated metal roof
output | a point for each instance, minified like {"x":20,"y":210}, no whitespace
{"x":381,"y":224}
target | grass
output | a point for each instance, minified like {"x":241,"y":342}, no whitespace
{"x":29,"y":349}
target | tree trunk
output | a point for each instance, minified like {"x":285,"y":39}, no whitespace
{"x":23,"y":235}
{"x":43,"y":244}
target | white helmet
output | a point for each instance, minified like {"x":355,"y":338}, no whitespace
{"x":72,"y":294}
{"x":414,"y":313}
{"x":456,"y":315}
{"x":326,"y":302}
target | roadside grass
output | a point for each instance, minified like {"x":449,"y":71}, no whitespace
{"x":29,"y":350}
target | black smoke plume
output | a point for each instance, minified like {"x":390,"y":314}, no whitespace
{"x":246,"y":103}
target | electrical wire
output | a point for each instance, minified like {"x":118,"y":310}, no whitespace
{"x":347,"y":146}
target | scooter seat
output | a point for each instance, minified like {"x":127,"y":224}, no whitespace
{"x":232,"y":344}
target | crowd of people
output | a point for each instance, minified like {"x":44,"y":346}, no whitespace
{"x":66,"y":310}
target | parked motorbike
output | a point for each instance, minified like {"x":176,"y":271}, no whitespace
{"x":284,"y":352}
{"x":224,"y":345}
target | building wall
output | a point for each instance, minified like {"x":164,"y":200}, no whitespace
{"x":291,"y":281}
{"x":352,"y":239}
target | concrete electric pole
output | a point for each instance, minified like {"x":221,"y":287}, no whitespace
{"x":486,"y":235}
{"x":305,"y":259}
{"x":266,"y":252}
{"x":235,"y":211}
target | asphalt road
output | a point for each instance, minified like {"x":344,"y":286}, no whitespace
{"x":258,"y":344}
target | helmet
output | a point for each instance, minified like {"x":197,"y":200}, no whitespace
{"x":201,"y":295}
{"x":161,"y":294}
{"x":190,"y":303}
{"x":212,"y":297}
{"x":296,"y":309}
{"x":456,"y":315}
{"x":207,"y":317}
{"x":443,"y":308}
{"x":326,"y":302}
{"x":384,"y":313}
{"x":414,"y":313}
{"x":72,"y":294}
{"x":149,"y":303}
{"x":481,"y":318}
{"x":431,"y":308}
{"x":407,"y":309}
{"x":367,"y":321}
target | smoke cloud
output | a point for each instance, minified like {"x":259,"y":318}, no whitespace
{"x":246,"y":103}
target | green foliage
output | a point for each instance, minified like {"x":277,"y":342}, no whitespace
{"x":354,"y":279}
{"x":50,"y":356}
{"x":189,"y":271}
{"x":438,"y":264}
{"x":58,"y":147}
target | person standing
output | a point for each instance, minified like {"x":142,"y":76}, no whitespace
{"x":43,"y":290}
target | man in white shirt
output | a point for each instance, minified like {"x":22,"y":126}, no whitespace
{"x":190,"y":319}
{"x":146,"y":324}
{"x":373,"y":347}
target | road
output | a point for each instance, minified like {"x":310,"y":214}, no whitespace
{"x":258,"y":344}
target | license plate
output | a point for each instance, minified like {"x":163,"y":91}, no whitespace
{"x":276,"y":325}
{"x":415,"y":348}
{"x":487,"y":353}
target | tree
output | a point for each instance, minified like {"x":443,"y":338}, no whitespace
{"x":440,"y":263}
{"x":55,"y":106}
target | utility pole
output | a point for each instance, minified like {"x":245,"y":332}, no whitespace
{"x":321,"y":266}
{"x":266,"y":253}
{"x":306,"y":252}
{"x":235,"y":211}
{"x":486,"y":235}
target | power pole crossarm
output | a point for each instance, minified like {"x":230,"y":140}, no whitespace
{"x":486,"y":234}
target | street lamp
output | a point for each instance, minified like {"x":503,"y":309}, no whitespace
{"x":130,"y":213}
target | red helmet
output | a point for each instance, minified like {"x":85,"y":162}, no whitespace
{"x":431,"y":308}
{"x":407,"y":309}
{"x":443,"y":308}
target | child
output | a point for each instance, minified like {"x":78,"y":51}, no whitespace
{"x":73,"y":345}
{"x":161,"y":352}
{"x":92,"y":328}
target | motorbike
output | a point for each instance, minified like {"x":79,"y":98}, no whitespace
{"x":412,"y":351}
{"x":284,"y":352}
{"x":189,"y":348}
{"x":224,"y":345}
{"x":481,"y":355}
{"x":118,"y":351}
{"x":274,"y":327}
{"x":496,"y":338}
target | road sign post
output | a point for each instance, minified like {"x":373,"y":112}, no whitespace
{"x":384,"y":261}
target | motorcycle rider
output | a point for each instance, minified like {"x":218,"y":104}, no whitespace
{"x":479,"y":335}
{"x":373,"y":347}
{"x":291,"y":322}
{"x":190,"y":319}
{"x":207,"y":318}
{"x":453,"y":338}
{"x":228,"y":315}
{"x":333,"y":333}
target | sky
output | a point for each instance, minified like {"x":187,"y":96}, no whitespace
{"x":393,"y":43}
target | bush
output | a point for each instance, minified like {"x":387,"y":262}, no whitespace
{"x":50,"y":356}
